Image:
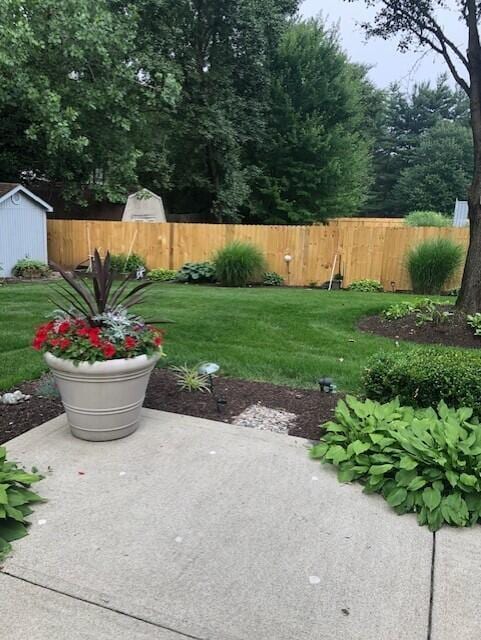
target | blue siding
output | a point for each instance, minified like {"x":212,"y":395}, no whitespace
{"x":23,"y":232}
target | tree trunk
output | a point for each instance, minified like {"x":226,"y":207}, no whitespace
{"x":469,"y":299}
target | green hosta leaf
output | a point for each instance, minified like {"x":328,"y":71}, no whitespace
{"x":431,"y":498}
{"x":358,"y":447}
{"x":397,"y":496}
{"x":381,"y":458}
{"x":3,"y":494}
{"x":455,"y":510}
{"x":23,"y":478}
{"x":408,"y":463}
{"x":435,"y":519}
{"x":346,"y":475}
{"x":468,"y":480}
{"x":464,"y":414}
{"x":11,"y":530}
{"x":5,"y":548}
{"x":404,"y":477}
{"x":16,"y":514}
{"x":417,"y":483}
{"x":452,"y":477}
{"x":318,"y":451}
{"x":380,"y":469}
{"x":337,"y":454}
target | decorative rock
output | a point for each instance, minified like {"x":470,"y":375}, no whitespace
{"x":14,"y":398}
{"x":265,"y":419}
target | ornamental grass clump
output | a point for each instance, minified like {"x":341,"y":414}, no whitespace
{"x":239,"y":264}
{"x":424,"y":461}
{"x":94,"y":323}
{"x":432,"y":263}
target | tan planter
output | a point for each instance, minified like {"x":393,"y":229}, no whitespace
{"x":102,"y":400}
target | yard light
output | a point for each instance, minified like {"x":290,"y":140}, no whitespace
{"x":209,"y":369}
{"x":393,"y":286}
{"x":327,"y":385}
{"x":288,"y":260}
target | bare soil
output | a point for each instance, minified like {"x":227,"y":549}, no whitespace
{"x":310,"y":406}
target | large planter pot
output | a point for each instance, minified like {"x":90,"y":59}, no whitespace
{"x":102,"y":400}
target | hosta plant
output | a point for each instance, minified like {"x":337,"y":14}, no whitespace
{"x":474,"y":321}
{"x":196,"y":272}
{"x":94,"y":323}
{"x":420,"y":460}
{"x":15,"y":501}
{"x":366,"y":286}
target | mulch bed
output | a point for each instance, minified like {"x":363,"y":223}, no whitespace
{"x":453,"y":333}
{"x":311,"y":407}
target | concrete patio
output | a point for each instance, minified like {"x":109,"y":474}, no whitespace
{"x":197,"y":529}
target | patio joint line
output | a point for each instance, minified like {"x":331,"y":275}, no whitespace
{"x":431,"y":591}
{"x":103,"y":606}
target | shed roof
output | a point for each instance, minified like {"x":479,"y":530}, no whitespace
{"x":8,"y":189}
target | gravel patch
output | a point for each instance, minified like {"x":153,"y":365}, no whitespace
{"x":263,"y":418}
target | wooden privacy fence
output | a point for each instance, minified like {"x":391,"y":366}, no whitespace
{"x":366,"y":248}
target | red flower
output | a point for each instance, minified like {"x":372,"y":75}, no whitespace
{"x":130,"y":343}
{"x":55,"y":342}
{"x":94,"y":336}
{"x":64,"y":343}
{"x":39,"y":341}
{"x":83,"y":332}
{"x":158,"y":340}
{"x":108,"y":349}
{"x":64,"y":326}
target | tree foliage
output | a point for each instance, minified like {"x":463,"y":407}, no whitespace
{"x":440,"y":170}
{"x":406,"y":117}
{"x":316,"y":161}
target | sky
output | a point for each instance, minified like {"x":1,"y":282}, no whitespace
{"x":389,"y":65}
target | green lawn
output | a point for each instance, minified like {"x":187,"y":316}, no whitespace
{"x":287,"y":336}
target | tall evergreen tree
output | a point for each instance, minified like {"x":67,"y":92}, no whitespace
{"x":315,"y":163}
{"x":406,"y":117}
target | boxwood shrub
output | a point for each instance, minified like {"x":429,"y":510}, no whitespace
{"x":423,"y":377}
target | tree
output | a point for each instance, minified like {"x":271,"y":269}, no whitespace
{"x":315,"y":161}
{"x":440,"y":170}
{"x":222,"y":49}
{"x":417,"y":24}
{"x":73,"y":100}
{"x":406,"y":117}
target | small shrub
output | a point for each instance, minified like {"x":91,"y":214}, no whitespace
{"x":423,"y":377}
{"x":398,"y":310}
{"x":15,"y":499}
{"x":272,"y":279}
{"x":162,"y":275}
{"x":196,"y":272}
{"x":366,"y":286}
{"x":474,"y":321}
{"x":27,"y":268}
{"x":122,"y":263}
{"x":427,"y":219}
{"x":424,"y":461}
{"x":189,"y":379}
{"x":238,"y":264}
{"x":426,"y":310}
{"x":432,"y":263}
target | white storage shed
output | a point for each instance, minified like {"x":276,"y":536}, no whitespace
{"x":23,"y":226}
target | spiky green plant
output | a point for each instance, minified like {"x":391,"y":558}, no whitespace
{"x":432,"y":263}
{"x":239,"y":263}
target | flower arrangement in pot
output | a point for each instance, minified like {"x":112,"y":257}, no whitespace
{"x":100,"y":353}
